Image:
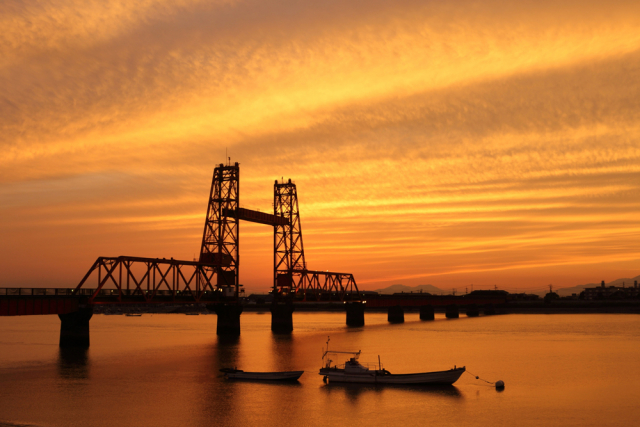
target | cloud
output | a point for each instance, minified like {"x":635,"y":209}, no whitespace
{"x":425,"y":137}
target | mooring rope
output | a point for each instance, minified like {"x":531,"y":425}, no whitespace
{"x":478,"y":378}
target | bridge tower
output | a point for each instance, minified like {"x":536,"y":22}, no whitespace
{"x":288,"y":252}
{"x":220,"y":239}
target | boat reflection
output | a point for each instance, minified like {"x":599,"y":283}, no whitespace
{"x":270,"y":383}
{"x":355,"y":389}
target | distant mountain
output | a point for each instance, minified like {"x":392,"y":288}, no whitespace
{"x":577,"y":289}
{"x":408,"y":289}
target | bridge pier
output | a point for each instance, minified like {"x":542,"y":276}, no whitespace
{"x":489,"y":309}
{"x":355,"y":314}
{"x":228,"y":318}
{"x":472,"y":310}
{"x":452,"y":312}
{"x":396,"y":314}
{"x":74,"y":328}
{"x":282,"y":317}
{"x":427,"y":312}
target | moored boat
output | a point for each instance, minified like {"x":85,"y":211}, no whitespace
{"x":239,"y":374}
{"x":354,"y":372}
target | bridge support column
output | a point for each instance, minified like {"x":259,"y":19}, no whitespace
{"x":396,"y":314}
{"x":355,"y":314}
{"x":427,"y":312}
{"x":489,"y":309}
{"x":74,"y":328}
{"x":228,"y":318}
{"x":452,"y":312}
{"x":472,"y":310}
{"x":282,"y":318}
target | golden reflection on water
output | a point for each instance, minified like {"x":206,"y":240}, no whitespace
{"x":164,"y":370}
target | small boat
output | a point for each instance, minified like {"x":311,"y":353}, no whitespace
{"x":133,"y":315}
{"x":354,"y":372}
{"x":239,"y":374}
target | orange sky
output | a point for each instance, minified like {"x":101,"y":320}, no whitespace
{"x":443,"y":143}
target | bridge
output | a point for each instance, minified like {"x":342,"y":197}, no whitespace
{"x":214,"y":279}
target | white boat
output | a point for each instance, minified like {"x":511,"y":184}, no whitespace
{"x":354,"y":372}
{"x":239,"y":374}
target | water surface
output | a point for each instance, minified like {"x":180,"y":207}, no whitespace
{"x":163,"y":370}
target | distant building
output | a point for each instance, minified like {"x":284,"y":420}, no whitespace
{"x":612,"y":292}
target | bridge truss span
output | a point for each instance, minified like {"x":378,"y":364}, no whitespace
{"x":127,"y":279}
{"x":318,"y":284}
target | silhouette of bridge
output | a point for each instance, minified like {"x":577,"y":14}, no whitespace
{"x":213,"y":279}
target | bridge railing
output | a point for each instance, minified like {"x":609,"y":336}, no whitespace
{"x":43,"y":291}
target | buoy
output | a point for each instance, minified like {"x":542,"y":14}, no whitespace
{"x":499,"y":384}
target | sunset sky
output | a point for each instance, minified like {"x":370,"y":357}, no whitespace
{"x":492,"y":143}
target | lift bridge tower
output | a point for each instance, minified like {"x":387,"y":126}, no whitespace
{"x":221,"y":241}
{"x":288,"y":250}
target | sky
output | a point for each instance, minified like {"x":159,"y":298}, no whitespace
{"x":450,"y":143}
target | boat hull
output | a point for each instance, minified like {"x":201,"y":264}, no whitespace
{"x":264,"y":376}
{"x":383,"y":377}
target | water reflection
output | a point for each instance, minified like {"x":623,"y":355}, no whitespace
{"x":226,"y":352}
{"x":73,"y":363}
{"x":267,"y":383}
{"x":283,"y":353}
{"x":354,"y":391}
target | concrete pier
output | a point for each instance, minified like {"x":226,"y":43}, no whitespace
{"x":355,"y":314}
{"x":282,"y":317}
{"x":396,"y":314}
{"x":472,"y":310}
{"x":228,"y":318}
{"x":427,"y":312}
{"x":74,"y":328}
{"x":489,"y":310}
{"x":452,"y":312}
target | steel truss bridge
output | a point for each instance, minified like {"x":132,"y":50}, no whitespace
{"x":215,"y":276}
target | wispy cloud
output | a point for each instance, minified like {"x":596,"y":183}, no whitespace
{"x":428,"y":139}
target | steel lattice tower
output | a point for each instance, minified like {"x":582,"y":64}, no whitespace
{"x":220,"y":240}
{"x":287,"y":239}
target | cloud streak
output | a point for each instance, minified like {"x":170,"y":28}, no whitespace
{"x":428,"y":139}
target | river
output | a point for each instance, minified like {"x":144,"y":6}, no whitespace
{"x":163,"y":370}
